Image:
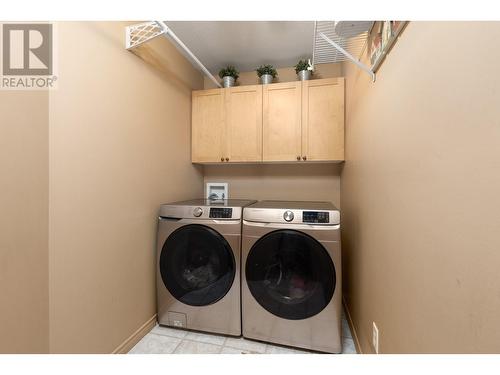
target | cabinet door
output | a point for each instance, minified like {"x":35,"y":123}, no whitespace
{"x":208,"y":139}
{"x":281,"y":121}
{"x":323,"y":119}
{"x":244,"y":123}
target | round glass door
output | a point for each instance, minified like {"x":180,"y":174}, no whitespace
{"x":197,"y":265}
{"x":290,"y":274}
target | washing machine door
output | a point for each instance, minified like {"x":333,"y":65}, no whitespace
{"x":197,"y":265}
{"x":290,"y":274}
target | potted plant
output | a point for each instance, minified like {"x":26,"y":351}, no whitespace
{"x":304,"y":69}
{"x":229,"y":76}
{"x":266,"y":73}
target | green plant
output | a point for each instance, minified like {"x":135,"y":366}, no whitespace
{"x":230,"y":71}
{"x":303,"y":65}
{"x":266,"y":69}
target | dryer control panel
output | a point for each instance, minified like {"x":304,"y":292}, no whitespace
{"x":220,"y":213}
{"x":293,"y":212}
{"x":315,"y":217}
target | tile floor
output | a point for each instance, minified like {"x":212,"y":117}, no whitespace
{"x":164,"y":340}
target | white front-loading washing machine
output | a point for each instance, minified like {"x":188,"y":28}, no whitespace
{"x":198,"y":265}
{"x":291,"y":274}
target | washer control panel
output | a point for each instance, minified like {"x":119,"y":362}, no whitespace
{"x":220,"y":213}
{"x":315,"y":217}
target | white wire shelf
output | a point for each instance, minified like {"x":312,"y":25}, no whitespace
{"x":335,"y":42}
{"x":323,"y":53}
{"x":138,"y":34}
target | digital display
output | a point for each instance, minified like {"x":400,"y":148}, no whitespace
{"x":221,"y":213}
{"x":315,"y":217}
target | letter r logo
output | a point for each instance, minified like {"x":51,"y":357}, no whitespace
{"x":27,"y":49}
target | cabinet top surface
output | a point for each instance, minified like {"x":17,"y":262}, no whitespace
{"x":275,"y":84}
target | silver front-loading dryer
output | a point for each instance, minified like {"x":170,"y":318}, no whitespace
{"x":198,"y":265}
{"x":291,"y":274}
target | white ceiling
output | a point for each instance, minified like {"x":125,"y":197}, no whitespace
{"x":246,"y":44}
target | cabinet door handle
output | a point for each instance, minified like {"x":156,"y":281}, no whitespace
{"x":227,"y":159}
{"x":304,"y":158}
{"x":298,"y":157}
{"x":221,"y":159}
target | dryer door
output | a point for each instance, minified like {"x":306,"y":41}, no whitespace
{"x":197,"y":265}
{"x":290,"y":274}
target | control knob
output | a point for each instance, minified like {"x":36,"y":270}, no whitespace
{"x":288,"y":216}
{"x":197,"y":211}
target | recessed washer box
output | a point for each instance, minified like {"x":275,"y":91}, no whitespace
{"x":217,"y":190}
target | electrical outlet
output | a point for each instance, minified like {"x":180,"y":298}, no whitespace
{"x":375,"y":337}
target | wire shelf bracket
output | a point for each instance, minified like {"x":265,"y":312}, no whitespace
{"x":135,"y":35}
{"x":138,"y":34}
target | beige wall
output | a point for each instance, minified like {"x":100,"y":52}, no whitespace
{"x":286,"y":181}
{"x":284,"y":75}
{"x":283,"y":182}
{"x":420,"y":192}
{"x":119,"y":147}
{"x":24,"y":222}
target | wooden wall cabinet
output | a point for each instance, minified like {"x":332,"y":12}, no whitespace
{"x":208,"y":141}
{"x":282,"y":122}
{"x":323,"y":119}
{"x":244,"y":123}
{"x":227,"y":125}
